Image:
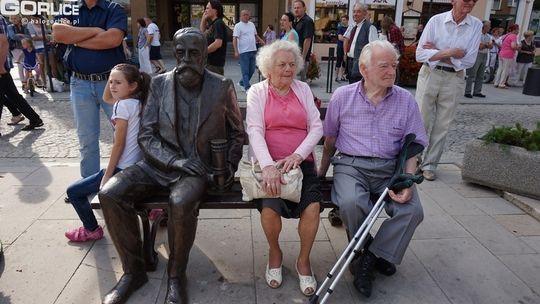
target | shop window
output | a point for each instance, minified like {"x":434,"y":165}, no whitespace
{"x":513,"y":3}
{"x":327,"y":15}
{"x":229,"y":15}
{"x":197,"y":11}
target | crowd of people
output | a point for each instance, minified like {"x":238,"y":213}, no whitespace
{"x":162,"y":125}
{"x":502,"y":56}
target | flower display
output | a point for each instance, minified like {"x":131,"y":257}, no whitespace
{"x":408,"y":67}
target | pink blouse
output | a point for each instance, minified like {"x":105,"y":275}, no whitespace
{"x":507,"y":52}
{"x":285,"y":122}
{"x":256,"y":103}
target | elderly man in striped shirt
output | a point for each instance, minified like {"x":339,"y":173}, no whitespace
{"x":367,"y":123}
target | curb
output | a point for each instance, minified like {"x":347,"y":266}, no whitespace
{"x":529,"y":205}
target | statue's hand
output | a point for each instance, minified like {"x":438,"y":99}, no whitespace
{"x":190,"y":166}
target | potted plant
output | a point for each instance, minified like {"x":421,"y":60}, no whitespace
{"x":408,"y":67}
{"x":506,"y":158}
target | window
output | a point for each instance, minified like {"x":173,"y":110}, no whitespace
{"x":512,"y":3}
{"x":327,"y":14}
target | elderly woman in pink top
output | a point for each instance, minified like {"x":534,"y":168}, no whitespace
{"x":284,"y":127}
{"x":507,"y":55}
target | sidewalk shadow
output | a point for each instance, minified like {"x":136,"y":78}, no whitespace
{"x":3,"y":299}
{"x":31,"y":136}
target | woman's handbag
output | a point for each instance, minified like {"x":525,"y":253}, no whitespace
{"x":251,"y":179}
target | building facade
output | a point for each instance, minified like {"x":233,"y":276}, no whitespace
{"x":170,"y":15}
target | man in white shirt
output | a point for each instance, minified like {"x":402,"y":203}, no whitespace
{"x":155,"y":46}
{"x":359,"y":33}
{"x":245,"y":40}
{"x":448,"y":46}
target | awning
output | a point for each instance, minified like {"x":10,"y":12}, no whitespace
{"x":438,"y":1}
{"x":381,"y":2}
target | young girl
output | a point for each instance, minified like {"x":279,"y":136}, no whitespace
{"x":128,"y":89}
{"x":29,"y":61}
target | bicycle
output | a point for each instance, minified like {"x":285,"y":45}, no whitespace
{"x":31,"y":82}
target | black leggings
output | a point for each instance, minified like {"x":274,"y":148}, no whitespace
{"x":340,"y":58}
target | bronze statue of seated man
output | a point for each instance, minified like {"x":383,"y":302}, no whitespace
{"x":186,"y":109}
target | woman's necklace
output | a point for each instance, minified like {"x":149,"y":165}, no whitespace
{"x":280,"y":92}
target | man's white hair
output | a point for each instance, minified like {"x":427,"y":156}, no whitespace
{"x":266,"y":57}
{"x":361,"y":6}
{"x":367,"y":51}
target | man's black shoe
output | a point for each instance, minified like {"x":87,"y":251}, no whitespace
{"x":480,"y":95}
{"x":364,"y":276}
{"x":385,"y":267}
{"x":31,"y":126}
{"x":333,"y":217}
{"x":468,"y":95}
{"x":127,"y":284}
{"x":176,"y":292}
{"x":67,"y":200}
{"x":381,"y":265}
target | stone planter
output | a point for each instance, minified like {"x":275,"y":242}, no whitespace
{"x":503,"y":167}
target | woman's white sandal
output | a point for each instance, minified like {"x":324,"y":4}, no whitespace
{"x":273,"y":274}
{"x":306,"y":282}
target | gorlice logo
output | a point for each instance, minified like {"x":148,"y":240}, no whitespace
{"x":30,"y":8}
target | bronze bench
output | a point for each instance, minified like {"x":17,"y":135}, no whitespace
{"x":229,"y":199}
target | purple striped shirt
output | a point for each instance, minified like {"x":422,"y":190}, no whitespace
{"x":362,"y":129}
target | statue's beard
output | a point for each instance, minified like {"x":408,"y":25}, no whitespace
{"x":189,"y":76}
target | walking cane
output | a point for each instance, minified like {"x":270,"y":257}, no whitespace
{"x":397,"y":183}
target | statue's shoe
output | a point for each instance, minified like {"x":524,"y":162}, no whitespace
{"x":176,"y":292}
{"x":128,"y":283}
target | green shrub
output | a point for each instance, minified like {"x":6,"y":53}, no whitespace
{"x":515,"y":136}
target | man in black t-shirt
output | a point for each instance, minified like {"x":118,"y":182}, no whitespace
{"x":216,"y":36}
{"x":305,"y":27}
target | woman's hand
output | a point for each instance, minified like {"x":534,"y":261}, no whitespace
{"x":288,"y":163}
{"x":272,"y":180}
{"x":204,"y":18}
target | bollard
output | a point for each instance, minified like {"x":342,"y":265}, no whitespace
{"x":531,"y":87}
{"x":330,"y":72}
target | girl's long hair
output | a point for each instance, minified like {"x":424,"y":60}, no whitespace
{"x":142,"y":79}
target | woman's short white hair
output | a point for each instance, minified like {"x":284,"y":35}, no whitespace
{"x":266,"y":57}
{"x":367,"y":50}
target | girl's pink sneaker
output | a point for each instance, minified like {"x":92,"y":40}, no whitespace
{"x":81,"y":234}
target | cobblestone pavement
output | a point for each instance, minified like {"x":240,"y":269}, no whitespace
{"x":58,"y":139}
{"x":474,"y":120}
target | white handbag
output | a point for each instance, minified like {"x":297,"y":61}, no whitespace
{"x":251,"y":177}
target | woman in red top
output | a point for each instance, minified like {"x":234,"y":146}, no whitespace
{"x":393,"y":33}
